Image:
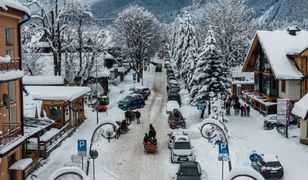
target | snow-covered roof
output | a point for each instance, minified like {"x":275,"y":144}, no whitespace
{"x":9,"y":75}
{"x":43,"y":80}
{"x":65,"y":93}
{"x":11,"y":145}
{"x":269,"y":158}
{"x":34,"y":125}
{"x":21,"y":164}
{"x":243,"y":82}
{"x":277,"y":45}
{"x":300,"y":108}
{"x":14,"y":4}
{"x":108,"y":56}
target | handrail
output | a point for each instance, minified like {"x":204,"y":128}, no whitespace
{"x":10,"y":131}
{"x":11,"y":65}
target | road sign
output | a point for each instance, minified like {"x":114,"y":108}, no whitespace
{"x":82,"y":147}
{"x":254,"y":157}
{"x":134,"y":76}
{"x":93,"y":154}
{"x":200,"y":106}
{"x":222,"y":148}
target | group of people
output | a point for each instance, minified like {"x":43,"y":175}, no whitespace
{"x":237,"y":106}
{"x":150,"y":137}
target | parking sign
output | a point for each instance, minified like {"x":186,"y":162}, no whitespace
{"x":82,"y":147}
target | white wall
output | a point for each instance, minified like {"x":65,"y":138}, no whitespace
{"x":292,"y":90}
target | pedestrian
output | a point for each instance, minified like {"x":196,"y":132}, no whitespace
{"x":228,"y":105}
{"x":238,"y":106}
{"x":245,"y":109}
{"x":138,"y":114}
{"x":242,"y":110}
{"x":146,"y":138}
{"x":152,"y":132}
{"x":248,"y":111}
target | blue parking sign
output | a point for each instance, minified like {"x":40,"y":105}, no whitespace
{"x":134,"y":76}
{"x":223,"y":149}
{"x":82,"y":147}
{"x":254,"y":157}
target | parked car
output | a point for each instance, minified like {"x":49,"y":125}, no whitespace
{"x":181,"y":149}
{"x":158,"y":68}
{"x":147,"y":90}
{"x":174,"y":85}
{"x":175,"y":96}
{"x":172,"y":105}
{"x":132,"y":101}
{"x":189,"y":170}
{"x":268,"y":166}
{"x":173,"y":133}
{"x":143,"y":93}
{"x":176,"y":120}
{"x":270,"y":121}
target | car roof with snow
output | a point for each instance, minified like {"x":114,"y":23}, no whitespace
{"x":181,"y":138}
{"x":269,"y":158}
{"x":178,"y":132}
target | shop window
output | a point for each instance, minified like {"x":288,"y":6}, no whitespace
{"x":9,"y":36}
{"x":283,"y":86}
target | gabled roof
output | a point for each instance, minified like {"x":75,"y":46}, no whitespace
{"x":277,"y":45}
{"x":14,"y":4}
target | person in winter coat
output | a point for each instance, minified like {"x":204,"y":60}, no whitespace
{"x":152,"y":132}
{"x":138,"y":114}
{"x":242,"y":110}
{"x":245,"y":109}
{"x":248,"y":111}
{"x":146,"y":138}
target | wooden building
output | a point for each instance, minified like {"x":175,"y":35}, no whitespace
{"x":63,"y":104}
{"x":12,"y":16}
{"x":278,"y":60}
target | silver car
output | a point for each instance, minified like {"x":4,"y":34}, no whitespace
{"x":181,"y":149}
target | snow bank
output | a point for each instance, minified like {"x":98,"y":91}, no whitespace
{"x":5,"y":4}
{"x":5,"y":59}
{"x":9,"y":75}
{"x":65,"y":93}
{"x":300,"y":108}
{"x":43,"y":80}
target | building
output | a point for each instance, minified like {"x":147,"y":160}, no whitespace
{"x":279,"y":61}
{"x":301,"y":110}
{"x":43,"y":80}
{"x":12,"y":16}
{"x":241,"y":81}
{"x":63,"y":104}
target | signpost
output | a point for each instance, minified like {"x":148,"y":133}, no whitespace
{"x":283,"y":116}
{"x":254,"y":158}
{"x":223,"y":152}
{"x":134,"y":78}
{"x":82,"y":149}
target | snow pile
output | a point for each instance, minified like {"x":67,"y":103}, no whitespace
{"x":5,"y":59}
{"x":43,"y":80}
{"x":8,"y":75}
{"x":69,"y":173}
{"x":300,"y":108}
{"x":103,"y":72}
{"x":49,"y":134}
{"x":277,"y":44}
{"x":65,"y":93}
{"x":5,"y":4}
{"x":244,"y":171}
{"x":21,"y":164}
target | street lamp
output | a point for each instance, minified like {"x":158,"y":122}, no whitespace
{"x":110,"y":133}
{"x":213,"y":129}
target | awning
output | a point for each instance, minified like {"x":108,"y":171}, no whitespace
{"x":21,"y":164}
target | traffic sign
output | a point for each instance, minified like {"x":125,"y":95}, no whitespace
{"x":134,"y":76}
{"x":223,"y":149}
{"x":82,"y":147}
{"x":93,"y":154}
{"x":200,"y":106}
{"x":254,"y":157}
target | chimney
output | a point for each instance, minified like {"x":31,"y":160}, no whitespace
{"x":293,"y":30}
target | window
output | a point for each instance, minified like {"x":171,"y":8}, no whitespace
{"x":283,"y":85}
{"x":9,"y":36}
{"x":10,"y":52}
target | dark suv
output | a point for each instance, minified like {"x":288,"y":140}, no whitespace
{"x":189,"y":170}
{"x":132,"y":101}
{"x":268,"y":166}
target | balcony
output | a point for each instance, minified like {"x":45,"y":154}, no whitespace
{"x":9,"y":132}
{"x":12,"y":65}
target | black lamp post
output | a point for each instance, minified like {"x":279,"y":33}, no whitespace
{"x":93,"y":153}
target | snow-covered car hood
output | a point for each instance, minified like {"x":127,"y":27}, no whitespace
{"x":180,"y":152}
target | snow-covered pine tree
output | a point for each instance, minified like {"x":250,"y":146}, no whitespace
{"x":186,"y":48}
{"x":216,"y":77}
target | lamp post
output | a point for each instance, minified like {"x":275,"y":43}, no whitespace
{"x":97,"y":100}
{"x":210,"y":134}
{"x":93,"y":153}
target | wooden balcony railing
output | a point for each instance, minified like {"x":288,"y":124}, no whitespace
{"x":8,"y":133}
{"x":12,"y":65}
